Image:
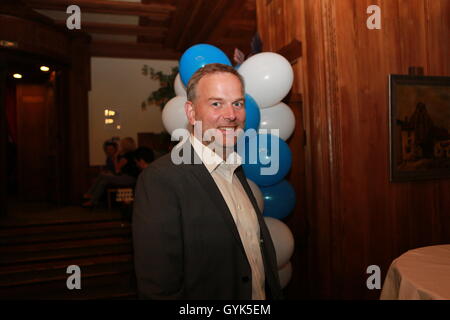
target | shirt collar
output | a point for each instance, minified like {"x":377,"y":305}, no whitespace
{"x":212,"y":160}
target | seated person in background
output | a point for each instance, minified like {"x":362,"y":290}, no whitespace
{"x":110,"y":148}
{"x":143,"y":157}
{"x":125,"y":160}
{"x":125,"y":173}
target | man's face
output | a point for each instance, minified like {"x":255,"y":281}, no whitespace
{"x":219,"y":105}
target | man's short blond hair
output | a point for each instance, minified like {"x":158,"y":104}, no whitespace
{"x":207,"y":70}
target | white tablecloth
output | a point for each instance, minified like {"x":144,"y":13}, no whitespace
{"x":419,"y":274}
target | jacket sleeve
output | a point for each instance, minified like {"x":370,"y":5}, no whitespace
{"x":157,"y":237}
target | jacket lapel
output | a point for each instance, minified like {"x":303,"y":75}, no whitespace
{"x":209,"y":185}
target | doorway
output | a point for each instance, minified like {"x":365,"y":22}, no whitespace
{"x":31,"y":135}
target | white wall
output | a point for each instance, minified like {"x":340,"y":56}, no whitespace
{"x":120,"y":85}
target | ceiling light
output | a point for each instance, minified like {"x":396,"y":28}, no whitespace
{"x":45,"y":68}
{"x":17,"y":75}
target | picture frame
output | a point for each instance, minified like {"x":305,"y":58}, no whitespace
{"x":419,"y":128}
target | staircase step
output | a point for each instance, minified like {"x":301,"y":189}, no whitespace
{"x":61,"y":226}
{"x":95,"y":287}
{"x":8,"y":270}
{"x":67,"y":244}
{"x":61,"y":236}
{"x":58,"y":254}
{"x":34,"y":260}
{"x":52,"y":275}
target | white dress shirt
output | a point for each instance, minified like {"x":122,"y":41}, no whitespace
{"x":240,"y":207}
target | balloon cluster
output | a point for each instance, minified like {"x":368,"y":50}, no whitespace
{"x":268,"y":78}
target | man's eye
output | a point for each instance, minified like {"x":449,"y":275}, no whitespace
{"x":216,"y":104}
{"x":238,"y":104}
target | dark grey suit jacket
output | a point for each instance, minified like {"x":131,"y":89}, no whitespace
{"x":186,"y":244}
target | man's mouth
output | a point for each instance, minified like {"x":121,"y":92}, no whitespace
{"x":228,"y":129}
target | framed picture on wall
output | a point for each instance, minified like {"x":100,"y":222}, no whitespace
{"x":419,"y":127}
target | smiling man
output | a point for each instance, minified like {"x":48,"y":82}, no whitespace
{"x":197,"y":230}
{"x":216,"y":103}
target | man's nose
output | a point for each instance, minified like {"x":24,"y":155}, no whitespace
{"x":229,"y":113}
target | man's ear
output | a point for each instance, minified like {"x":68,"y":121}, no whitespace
{"x":190,"y":112}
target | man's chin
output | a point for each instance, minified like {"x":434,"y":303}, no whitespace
{"x":222,"y":139}
{"x":227,"y":143}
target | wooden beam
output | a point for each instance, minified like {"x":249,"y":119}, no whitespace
{"x":182,"y":22}
{"x":132,"y":50}
{"x":120,"y":29}
{"x":231,"y":42}
{"x":156,"y":11}
{"x":178,"y":21}
{"x":229,"y":21}
{"x":292,"y":51}
{"x":245,"y":25}
{"x":210,"y":21}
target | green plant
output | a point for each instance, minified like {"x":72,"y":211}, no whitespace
{"x":166,"y":91}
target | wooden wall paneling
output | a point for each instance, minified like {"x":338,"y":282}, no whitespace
{"x":318,"y":159}
{"x":153,"y":10}
{"x":278,"y":37}
{"x":55,"y":188}
{"x":35,"y":37}
{"x":32,"y":142}
{"x":364,"y":64}
{"x":438,"y":17}
{"x":358,"y":218}
{"x":77,"y":115}
{"x":3,"y":141}
{"x":357,"y":109}
{"x":61,"y":97}
{"x":297,"y":220}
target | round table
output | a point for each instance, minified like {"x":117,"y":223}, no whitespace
{"x":419,"y":274}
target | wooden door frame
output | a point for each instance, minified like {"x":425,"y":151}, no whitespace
{"x":8,"y":57}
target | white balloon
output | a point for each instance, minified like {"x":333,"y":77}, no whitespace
{"x":282,"y":238}
{"x":180,"y":89}
{"x":280,"y":117}
{"x":258,"y":194}
{"x":173,"y":114}
{"x":268,"y":78}
{"x":285,"y":274}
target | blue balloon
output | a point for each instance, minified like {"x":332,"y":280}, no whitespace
{"x":279,"y":200}
{"x":266,"y":158}
{"x":252,"y":113}
{"x":197,"y":57}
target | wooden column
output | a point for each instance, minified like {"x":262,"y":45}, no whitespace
{"x":78,"y":117}
{"x":3,"y":141}
{"x":278,"y":35}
